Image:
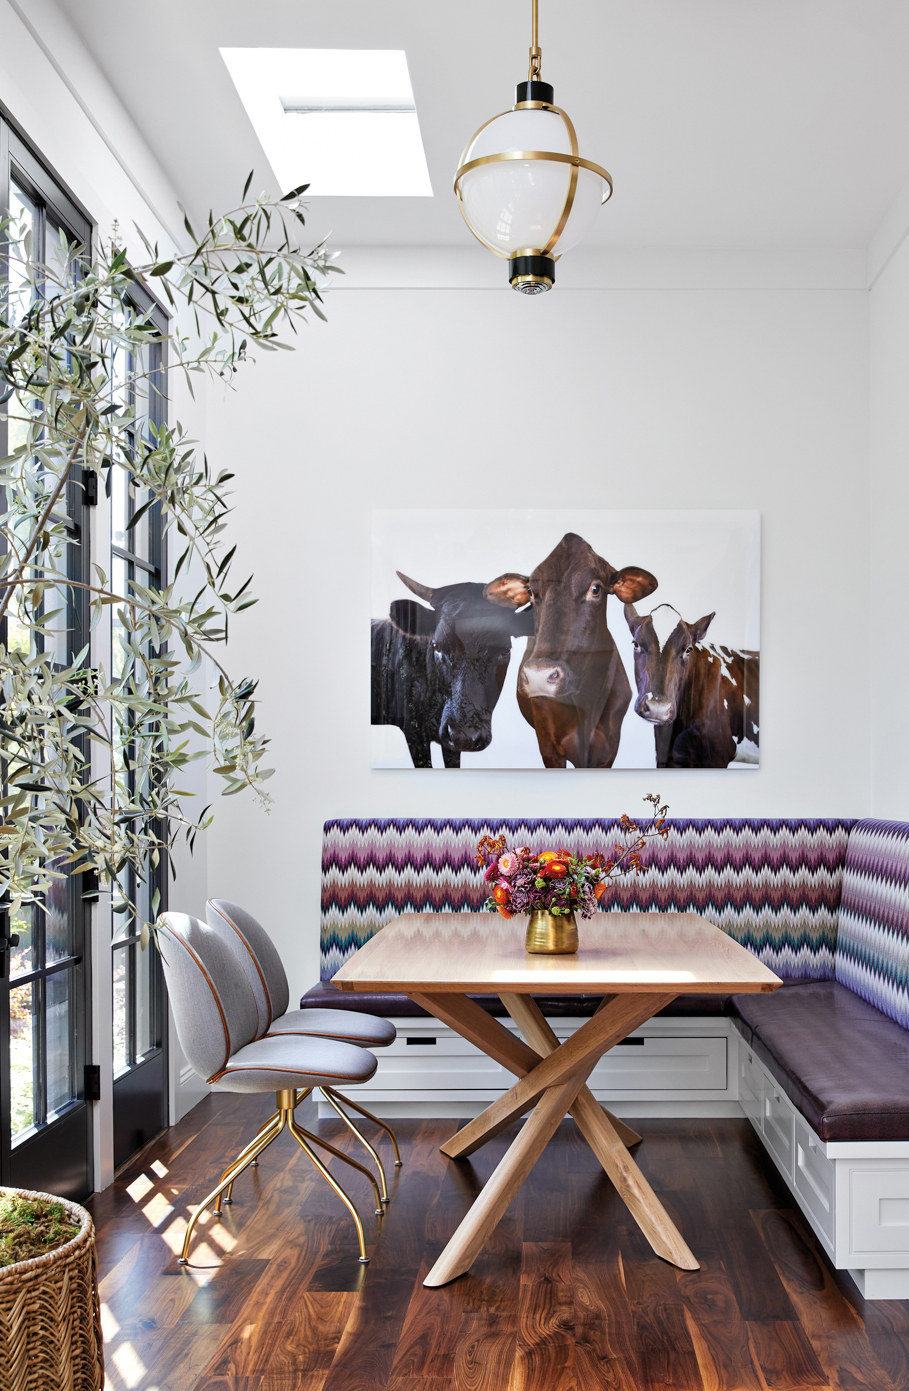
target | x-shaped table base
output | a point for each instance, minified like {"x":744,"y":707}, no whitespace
{"x":552,"y":1081}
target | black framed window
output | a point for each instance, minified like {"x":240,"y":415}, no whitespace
{"x":45,"y":1129}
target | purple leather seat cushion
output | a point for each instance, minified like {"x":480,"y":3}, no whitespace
{"x":327,"y":995}
{"x":842,"y":1062}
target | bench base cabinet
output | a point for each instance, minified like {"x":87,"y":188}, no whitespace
{"x":855,"y":1195}
{"x":665,"y":1061}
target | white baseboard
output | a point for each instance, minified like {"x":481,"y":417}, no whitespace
{"x":882,"y":1284}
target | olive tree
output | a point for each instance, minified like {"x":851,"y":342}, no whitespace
{"x":74,"y":363}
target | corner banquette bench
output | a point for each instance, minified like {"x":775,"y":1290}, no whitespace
{"x":820,"y":1068}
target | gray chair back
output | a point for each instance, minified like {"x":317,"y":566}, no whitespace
{"x":214,"y":1009}
{"x":258,"y":956}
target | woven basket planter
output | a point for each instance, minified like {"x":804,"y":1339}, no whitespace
{"x":50,"y":1316}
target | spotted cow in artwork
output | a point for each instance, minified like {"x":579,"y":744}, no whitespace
{"x":701,"y":699}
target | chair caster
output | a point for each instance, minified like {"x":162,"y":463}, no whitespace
{"x":228,"y":1202}
{"x":364,"y":1260}
{"x":255,"y":1164}
{"x":399,"y":1163}
{"x":380,"y":1212}
{"x":181,"y":1260}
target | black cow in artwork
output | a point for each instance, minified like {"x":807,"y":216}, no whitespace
{"x":438,"y":672}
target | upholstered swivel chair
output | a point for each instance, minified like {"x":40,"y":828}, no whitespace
{"x":264,"y":970}
{"x":217,"y":1022}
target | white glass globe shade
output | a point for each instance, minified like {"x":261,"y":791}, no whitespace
{"x":515,"y":205}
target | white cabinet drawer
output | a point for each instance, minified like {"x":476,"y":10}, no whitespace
{"x":751,"y":1085}
{"x":431,"y":1057}
{"x":878,"y":1209}
{"x":814,"y":1176}
{"x":662,"y":1063}
{"x":778,"y":1124}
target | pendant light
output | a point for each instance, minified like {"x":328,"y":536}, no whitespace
{"x":523,"y":188}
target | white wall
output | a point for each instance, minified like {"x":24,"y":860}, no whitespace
{"x":452,"y":398}
{"x":889,"y":491}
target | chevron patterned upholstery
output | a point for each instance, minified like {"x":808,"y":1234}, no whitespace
{"x":872,"y":952}
{"x":772,"y":885}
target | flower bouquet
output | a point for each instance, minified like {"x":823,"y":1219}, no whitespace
{"x":552,"y":885}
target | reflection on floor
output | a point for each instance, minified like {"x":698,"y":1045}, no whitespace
{"x":568,"y":1297}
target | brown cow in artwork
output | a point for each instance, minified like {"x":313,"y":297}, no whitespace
{"x":702,"y":699}
{"x":572,"y":685}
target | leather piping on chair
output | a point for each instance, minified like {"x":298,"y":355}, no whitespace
{"x":259,"y":1067}
{"x":230,"y":922}
{"x":175,"y":936}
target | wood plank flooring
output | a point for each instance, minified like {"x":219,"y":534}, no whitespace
{"x":566,"y":1297}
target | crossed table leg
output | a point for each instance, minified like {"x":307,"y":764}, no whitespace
{"x":552,"y":1080}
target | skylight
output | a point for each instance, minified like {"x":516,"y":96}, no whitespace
{"x":342,"y":120}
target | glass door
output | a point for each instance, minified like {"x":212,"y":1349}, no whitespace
{"x":45,"y":1117}
{"x":139,"y":1003}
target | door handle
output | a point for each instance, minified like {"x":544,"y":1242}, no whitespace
{"x":5,"y":944}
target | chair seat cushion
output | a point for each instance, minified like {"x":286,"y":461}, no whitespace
{"x":842,"y":1062}
{"x":326,"y":995}
{"x":351,"y":1026}
{"x":271,"y":1064}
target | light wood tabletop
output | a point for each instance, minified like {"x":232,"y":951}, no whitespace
{"x":638,"y":962}
{"x":681,"y":953}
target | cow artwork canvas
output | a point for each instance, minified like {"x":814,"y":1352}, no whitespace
{"x":568,"y":638}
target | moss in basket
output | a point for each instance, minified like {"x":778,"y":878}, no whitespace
{"x":29,"y":1229}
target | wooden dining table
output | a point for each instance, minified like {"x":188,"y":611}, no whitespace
{"x":638,"y":962}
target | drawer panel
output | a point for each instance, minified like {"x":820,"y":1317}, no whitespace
{"x":879,"y":1208}
{"x":430,"y":1071}
{"x":778,"y":1124}
{"x":663,"y":1064}
{"x":751,"y":1085}
{"x":814,"y":1176}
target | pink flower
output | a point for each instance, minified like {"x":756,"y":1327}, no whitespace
{"x":508,"y":864}
{"x":492,"y":872}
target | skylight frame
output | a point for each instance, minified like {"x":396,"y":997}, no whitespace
{"x":342,"y":120}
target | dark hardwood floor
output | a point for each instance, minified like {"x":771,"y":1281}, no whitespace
{"x":567,"y":1297}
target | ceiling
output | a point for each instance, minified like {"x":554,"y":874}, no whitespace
{"x":725,"y":123}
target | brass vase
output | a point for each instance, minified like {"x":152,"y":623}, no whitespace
{"x":556,"y":933}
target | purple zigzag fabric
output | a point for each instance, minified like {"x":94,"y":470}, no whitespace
{"x":872,"y":952}
{"x":772,"y":885}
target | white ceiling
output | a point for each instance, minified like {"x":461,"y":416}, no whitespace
{"x":725,"y":123}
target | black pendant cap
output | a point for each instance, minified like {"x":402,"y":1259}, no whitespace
{"x":534,"y":91}
{"x":532,"y":275}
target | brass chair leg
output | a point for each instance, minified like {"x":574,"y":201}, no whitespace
{"x":301,"y":1140}
{"x":326,"y":1092}
{"x":354,"y":1164}
{"x":362,"y":1111}
{"x":262,"y":1142}
{"x":284,"y":1119}
{"x":272,"y":1120}
{"x":273,"y":1129}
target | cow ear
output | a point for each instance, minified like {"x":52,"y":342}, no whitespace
{"x":698,"y":629}
{"x":631,"y":584}
{"x":412,"y":619}
{"x":632,"y":618}
{"x":508,"y":591}
{"x":422,"y":591}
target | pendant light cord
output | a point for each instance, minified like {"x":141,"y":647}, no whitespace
{"x":536,"y":54}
